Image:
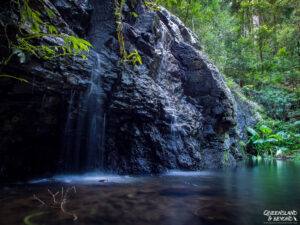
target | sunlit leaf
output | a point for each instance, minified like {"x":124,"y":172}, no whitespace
{"x":265,"y":129}
{"x":252,"y":132}
{"x":135,"y":14}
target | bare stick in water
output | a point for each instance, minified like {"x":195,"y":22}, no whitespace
{"x":64,"y":201}
{"x":53,"y":196}
{"x":38,"y":199}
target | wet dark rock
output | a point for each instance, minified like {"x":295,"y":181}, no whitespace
{"x":76,"y":13}
{"x":173,"y":112}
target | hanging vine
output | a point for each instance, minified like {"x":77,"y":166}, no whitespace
{"x":133,"y":57}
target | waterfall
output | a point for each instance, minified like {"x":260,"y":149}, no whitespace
{"x":171,"y":109}
{"x":103,"y":140}
{"x":166,"y":90}
{"x":84,"y":138}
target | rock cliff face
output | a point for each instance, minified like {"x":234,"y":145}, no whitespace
{"x":173,"y":112}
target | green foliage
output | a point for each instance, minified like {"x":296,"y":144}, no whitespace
{"x":135,"y":57}
{"x":135,"y":15}
{"x":33,"y":25}
{"x":255,"y":42}
{"x":226,"y":156}
{"x":278,"y":103}
{"x":274,"y":142}
{"x":152,"y":5}
{"x":31,"y":21}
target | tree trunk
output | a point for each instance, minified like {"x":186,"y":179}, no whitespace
{"x":260,"y":46}
{"x":187,"y":12}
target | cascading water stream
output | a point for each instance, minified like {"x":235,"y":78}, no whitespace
{"x":162,"y":76}
{"x":84,"y":140}
{"x":173,"y":125}
{"x":103,"y":140}
{"x":94,"y":100}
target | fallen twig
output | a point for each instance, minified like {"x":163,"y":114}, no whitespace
{"x":64,"y":201}
{"x":61,"y":203}
{"x":62,"y":207}
{"x":38,"y":199}
{"x":53,"y":195}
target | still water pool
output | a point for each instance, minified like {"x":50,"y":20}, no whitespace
{"x":226,"y":196}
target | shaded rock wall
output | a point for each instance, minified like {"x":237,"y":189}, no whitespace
{"x":33,"y":115}
{"x":173,"y":112}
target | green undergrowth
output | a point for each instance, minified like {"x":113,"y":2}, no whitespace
{"x":275,"y":139}
{"x":277,"y":135}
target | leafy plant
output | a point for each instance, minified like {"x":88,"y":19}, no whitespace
{"x":278,"y":103}
{"x":135,"y":15}
{"x":30,"y":28}
{"x":266,"y":142}
{"x":135,"y":57}
{"x":151,"y":5}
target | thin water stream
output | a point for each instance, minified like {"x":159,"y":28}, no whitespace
{"x":84,"y":141}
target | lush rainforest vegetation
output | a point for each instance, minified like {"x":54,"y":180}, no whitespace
{"x":256,"y":44}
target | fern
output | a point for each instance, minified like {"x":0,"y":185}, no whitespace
{"x":31,"y":29}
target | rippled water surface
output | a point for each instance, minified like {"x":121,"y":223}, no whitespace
{"x":227,"y":196}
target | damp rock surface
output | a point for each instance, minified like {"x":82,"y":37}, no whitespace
{"x":172,"y":112}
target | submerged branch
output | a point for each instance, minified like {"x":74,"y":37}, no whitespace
{"x":38,"y":199}
{"x":61,"y":203}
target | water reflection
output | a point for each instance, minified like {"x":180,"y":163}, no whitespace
{"x":226,"y":196}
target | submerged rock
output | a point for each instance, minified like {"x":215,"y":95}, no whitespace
{"x":172,"y":112}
